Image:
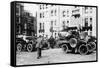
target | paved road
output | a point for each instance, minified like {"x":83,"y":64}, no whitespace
{"x":52,"y":56}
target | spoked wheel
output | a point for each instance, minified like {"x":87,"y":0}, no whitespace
{"x":29,"y":47}
{"x":92,"y":46}
{"x":83,"y":49}
{"x":19,"y":47}
{"x":65,"y":48}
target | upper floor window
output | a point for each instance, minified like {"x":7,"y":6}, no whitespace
{"x":55,"y":22}
{"x":51,"y":12}
{"x":86,"y":8}
{"x":90,"y":19}
{"x":90,"y":9}
{"x":40,"y":26}
{"x":51,"y":23}
{"x":43,"y":25}
{"x":43,"y":14}
{"x":55,"y":12}
{"x":40,"y":15}
{"x":67,"y":21}
{"x":40,"y":7}
{"x":46,"y":6}
{"x":67,"y":11}
{"x":64,"y":13}
{"x":86,"y":22}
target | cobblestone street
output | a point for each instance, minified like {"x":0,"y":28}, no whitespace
{"x":51,"y":56}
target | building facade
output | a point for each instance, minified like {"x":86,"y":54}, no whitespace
{"x":48,"y":20}
{"x":52,"y":19}
{"x":25,"y":22}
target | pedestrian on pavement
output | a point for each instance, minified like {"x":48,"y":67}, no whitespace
{"x":39,"y":46}
{"x":51,"y":40}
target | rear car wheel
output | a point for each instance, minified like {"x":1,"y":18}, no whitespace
{"x":83,"y":49}
{"x":19,"y":47}
{"x":92,"y":46}
{"x":65,"y":48}
{"x":29,"y":47}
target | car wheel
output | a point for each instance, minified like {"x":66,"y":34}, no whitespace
{"x":29,"y":47}
{"x":64,"y":48}
{"x":83,"y":49}
{"x":19,"y":47}
{"x":92,"y":46}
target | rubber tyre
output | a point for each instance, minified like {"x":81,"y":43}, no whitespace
{"x":83,"y":49}
{"x":73,"y":42}
{"x":19,"y":47}
{"x":64,"y":48}
{"x":29,"y":47}
{"x":92,"y":46}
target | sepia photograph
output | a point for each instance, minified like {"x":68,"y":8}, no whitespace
{"x":52,"y":33}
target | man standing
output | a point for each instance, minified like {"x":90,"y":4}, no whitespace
{"x":51,"y":40}
{"x":39,"y":46}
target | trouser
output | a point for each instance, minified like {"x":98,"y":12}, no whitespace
{"x":38,"y":52}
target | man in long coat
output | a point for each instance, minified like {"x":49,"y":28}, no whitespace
{"x":39,"y":47}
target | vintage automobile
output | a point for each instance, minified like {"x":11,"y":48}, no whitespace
{"x":78,"y":43}
{"x":31,"y":46}
{"x":25,"y":43}
{"x":20,"y":44}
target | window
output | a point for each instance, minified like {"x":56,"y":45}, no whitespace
{"x":86,"y":22}
{"x":90,"y":19}
{"x":64,"y":25}
{"x":91,"y":8}
{"x":40,"y":15}
{"x":51,"y":12}
{"x":40,"y":7}
{"x":67,"y":21}
{"x":55,"y":12}
{"x":43,"y":6}
{"x":43,"y":26}
{"x":40,"y":26}
{"x":55,"y":22}
{"x":63,"y":13}
{"x":46,"y":6}
{"x":67,"y":11}
{"x":86,"y":8}
{"x":17,"y":19}
{"x":43,"y":14}
{"x":25,"y":26}
{"x":51,"y":23}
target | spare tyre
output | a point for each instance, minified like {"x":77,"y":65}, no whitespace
{"x":73,"y":42}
